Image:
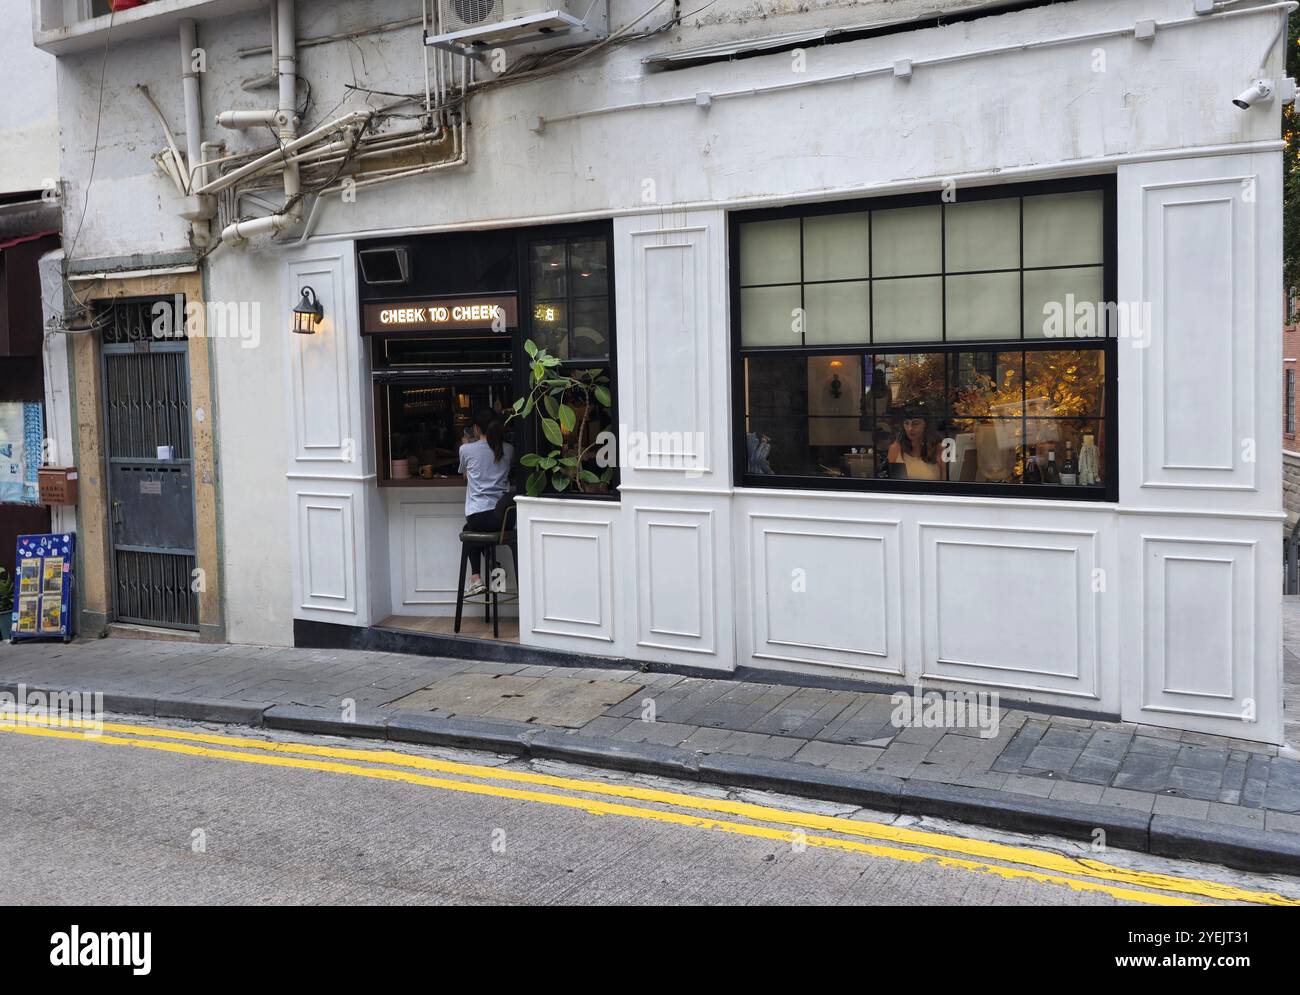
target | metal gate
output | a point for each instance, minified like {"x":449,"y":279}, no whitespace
{"x":150,"y":465}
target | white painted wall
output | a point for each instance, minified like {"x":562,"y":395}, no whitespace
{"x":29,"y":126}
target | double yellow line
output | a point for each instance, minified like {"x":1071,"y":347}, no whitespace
{"x":889,"y":842}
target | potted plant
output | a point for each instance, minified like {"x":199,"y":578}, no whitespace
{"x":567,"y":407}
{"x":6,"y":603}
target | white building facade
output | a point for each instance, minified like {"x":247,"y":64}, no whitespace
{"x":808,"y":227}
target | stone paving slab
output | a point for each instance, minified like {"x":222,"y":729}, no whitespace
{"x":1145,"y":771}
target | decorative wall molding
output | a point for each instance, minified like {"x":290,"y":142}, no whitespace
{"x":1198,"y":656}
{"x":826,"y":591}
{"x":571,"y":578}
{"x":1040,"y":632}
{"x":321,"y":368}
{"x":675,"y":579}
{"x":328,"y":553}
{"x":671,"y":278}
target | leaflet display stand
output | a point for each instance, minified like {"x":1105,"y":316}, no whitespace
{"x":44,"y":587}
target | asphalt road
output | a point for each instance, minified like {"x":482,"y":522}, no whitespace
{"x":165,"y":813}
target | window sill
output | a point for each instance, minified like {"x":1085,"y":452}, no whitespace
{"x":150,"y":20}
{"x":456,"y":481}
{"x":928,"y":490}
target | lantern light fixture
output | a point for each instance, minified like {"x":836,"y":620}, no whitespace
{"x":307,"y":313}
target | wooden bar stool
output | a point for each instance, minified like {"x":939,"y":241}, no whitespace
{"x":487,"y":544}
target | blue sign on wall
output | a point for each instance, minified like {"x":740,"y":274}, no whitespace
{"x":43,"y":587}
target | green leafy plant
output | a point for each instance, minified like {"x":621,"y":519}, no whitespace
{"x":6,"y":592}
{"x":564,"y":405}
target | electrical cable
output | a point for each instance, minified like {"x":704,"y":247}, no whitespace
{"x":94,"y":156}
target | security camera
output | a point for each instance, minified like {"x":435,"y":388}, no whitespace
{"x":1259,"y":93}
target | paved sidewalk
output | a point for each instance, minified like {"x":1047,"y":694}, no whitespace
{"x":1186,"y":794}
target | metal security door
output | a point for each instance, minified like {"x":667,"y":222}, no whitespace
{"x":150,"y":465}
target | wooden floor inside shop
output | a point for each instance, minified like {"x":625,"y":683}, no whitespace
{"x":471,"y":625}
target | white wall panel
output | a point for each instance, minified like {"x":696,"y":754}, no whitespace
{"x":676,"y":580}
{"x":322,"y":366}
{"x":1011,"y":607}
{"x":570,"y":577}
{"x":327,"y":552}
{"x":1204,"y":631}
{"x":671,"y":276}
{"x":1193,"y":238}
{"x":424,"y":551}
{"x":330,"y":469}
{"x":826,"y":591}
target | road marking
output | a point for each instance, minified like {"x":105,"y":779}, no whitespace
{"x":595,"y":807}
{"x":980,"y":849}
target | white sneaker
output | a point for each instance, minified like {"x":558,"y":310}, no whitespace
{"x":475,"y":588}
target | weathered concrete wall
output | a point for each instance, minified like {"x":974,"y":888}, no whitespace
{"x":29,"y":126}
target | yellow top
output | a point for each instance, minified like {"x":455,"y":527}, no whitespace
{"x":919,"y":469}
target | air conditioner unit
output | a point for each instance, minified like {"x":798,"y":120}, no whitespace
{"x":470,"y":26}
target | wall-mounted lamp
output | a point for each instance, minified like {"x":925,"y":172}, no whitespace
{"x":307,"y":313}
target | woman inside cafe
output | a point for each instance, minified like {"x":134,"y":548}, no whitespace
{"x":917,"y":449}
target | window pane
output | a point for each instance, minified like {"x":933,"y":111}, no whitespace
{"x":906,"y":241}
{"x":916,"y":380}
{"x":767,"y":316}
{"x":837,"y":312}
{"x":1065,"y":384}
{"x":835,"y":402}
{"x":1064,"y":303}
{"x":769,"y":252}
{"x":588,"y":261}
{"x":776,"y":415}
{"x":982,"y":235}
{"x":547,"y":269}
{"x":1064,"y":229}
{"x":908,"y":310}
{"x":997,"y":443}
{"x":590,"y":335}
{"x":984,"y":385}
{"x":1077,"y":443}
{"x":985,"y":306}
{"x":837,"y":247}
{"x":550,"y":327}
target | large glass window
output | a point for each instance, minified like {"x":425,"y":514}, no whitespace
{"x":958,"y":346}
{"x":571,"y":316}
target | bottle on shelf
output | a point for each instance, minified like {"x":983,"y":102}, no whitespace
{"x":1032,"y":473}
{"x":1069,"y":469}
{"x":1089,"y":463}
{"x":1051,"y":475}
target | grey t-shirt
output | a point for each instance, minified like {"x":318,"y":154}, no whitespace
{"x":487,"y":478}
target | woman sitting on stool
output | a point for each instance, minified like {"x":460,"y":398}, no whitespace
{"x":485,"y":460}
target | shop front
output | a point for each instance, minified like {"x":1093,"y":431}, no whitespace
{"x":975,"y":411}
{"x":442,"y":324}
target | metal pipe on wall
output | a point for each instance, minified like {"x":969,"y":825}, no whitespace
{"x":193,"y":104}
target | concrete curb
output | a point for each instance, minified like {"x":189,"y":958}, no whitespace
{"x":1246,"y":849}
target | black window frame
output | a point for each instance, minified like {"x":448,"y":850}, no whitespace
{"x":1107,"y":345}
{"x":532,"y":440}
{"x":1289,"y":402}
